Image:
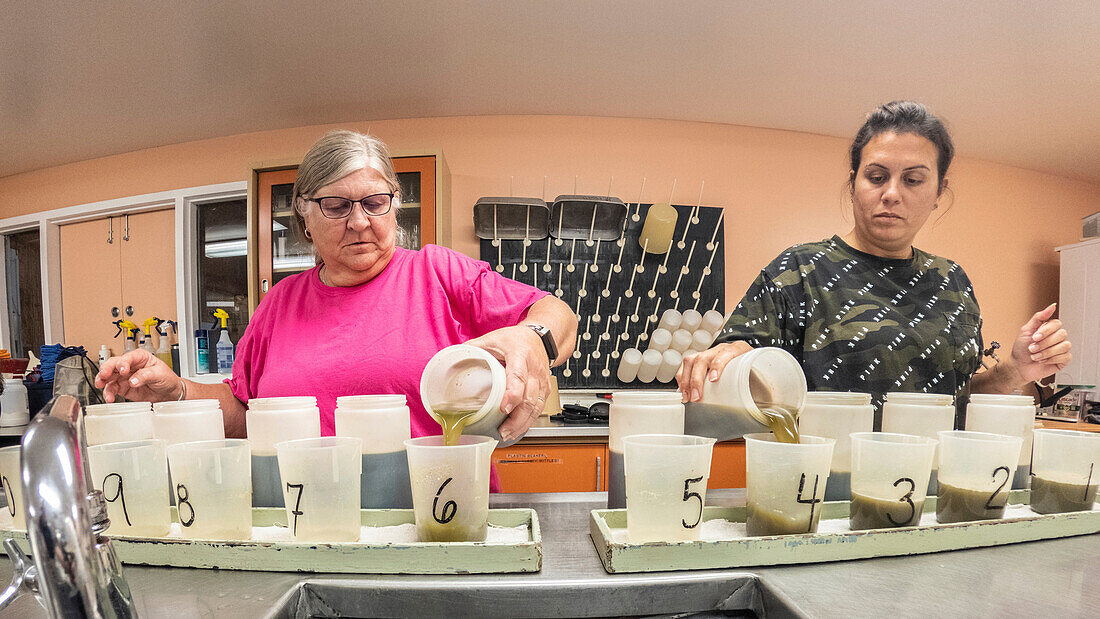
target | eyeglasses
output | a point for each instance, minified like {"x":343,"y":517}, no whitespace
{"x":338,"y":208}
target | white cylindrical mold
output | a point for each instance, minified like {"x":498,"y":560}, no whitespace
{"x":660,"y":340}
{"x":637,"y":412}
{"x":651,"y":361}
{"x":691,"y":320}
{"x":629,"y":362}
{"x":14,"y":407}
{"x":1013,"y":415}
{"x":920,"y":414}
{"x":836,"y":415}
{"x":670,"y":320}
{"x":188,"y":421}
{"x":382,"y":423}
{"x":681,"y":340}
{"x":670,"y":363}
{"x":266,"y":425}
{"x":701,"y":340}
{"x":712,"y":321}
{"x":103,"y":428}
{"x":282,"y":402}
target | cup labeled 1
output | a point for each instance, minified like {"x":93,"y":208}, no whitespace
{"x":450,"y":487}
{"x":976,"y":470}
{"x":666,"y":486}
{"x":785,"y":483}
{"x":320,"y":478}
{"x":132,"y":477}
{"x":1065,"y":471}
{"x":11,"y":478}
{"x":212,"y":484}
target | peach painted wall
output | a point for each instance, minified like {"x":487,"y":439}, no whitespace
{"x":779,"y":187}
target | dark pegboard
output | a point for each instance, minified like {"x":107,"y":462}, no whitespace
{"x":509,"y":258}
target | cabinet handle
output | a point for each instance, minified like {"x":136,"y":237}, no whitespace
{"x":599,"y":473}
{"x":111,"y":230}
{"x":114,"y":312}
{"x":129,"y":310}
{"x":126,"y":230}
{"x":264,"y":285}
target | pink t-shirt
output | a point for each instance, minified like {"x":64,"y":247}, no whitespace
{"x":310,"y":339}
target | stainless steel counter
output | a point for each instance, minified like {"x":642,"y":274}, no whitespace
{"x":543,"y":428}
{"x":1059,"y":577}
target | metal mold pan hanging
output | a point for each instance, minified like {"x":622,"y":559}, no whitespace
{"x":511,"y":218}
{"x":587,"y":218}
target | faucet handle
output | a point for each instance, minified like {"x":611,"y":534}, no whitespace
{"x":24,"y":576}
{"x":97,"y":511}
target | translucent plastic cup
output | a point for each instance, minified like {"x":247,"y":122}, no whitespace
{"x":382,"y":423}
{"x":889,"y":479}
{"x":785,"y":483}
{"x":836,"y":415}
{"x":1013,"y":415}
{"x":637,"y":412}
{"x":188,"y":421}
{"x":976,"y":471}
{"x":132,"y":477}
{"x":450,"y":487}
{"x":1065,"y":471}
{"x":320,"y":479}
{"x":270,"y":421}
{"x":212,"y":483}
{"x":10,"y":476}
{"x":920,"y":414}
{"x":666,"y":486}
{"x":118,"y":422}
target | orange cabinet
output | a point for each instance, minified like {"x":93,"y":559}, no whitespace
{"x":727,"y":465}
{"x":552,"y":468}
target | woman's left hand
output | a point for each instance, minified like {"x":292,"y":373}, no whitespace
{"x":1042,"y":347}
{"x":521,"y":351}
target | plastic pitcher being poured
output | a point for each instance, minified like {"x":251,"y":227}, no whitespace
{"x":461,"y":388}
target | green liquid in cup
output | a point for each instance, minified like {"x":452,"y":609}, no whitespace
{"x":965,"y":505}
{"x":760,"y":521}
{"x":1051,"y":497}
{"x":453,"y":421}
{"x":871,"y":513}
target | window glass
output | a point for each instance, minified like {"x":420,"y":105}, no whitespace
{"x":24,"y":284}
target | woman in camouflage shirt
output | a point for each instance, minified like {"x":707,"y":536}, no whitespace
{"x":868,"y":311}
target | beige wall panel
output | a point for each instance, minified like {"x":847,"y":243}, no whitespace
{"x":90,"y":285}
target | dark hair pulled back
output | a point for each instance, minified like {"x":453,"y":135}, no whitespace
{"x":905,"y":117}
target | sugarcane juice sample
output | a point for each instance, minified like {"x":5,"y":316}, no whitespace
{"x":782,"y":424}
{"x":964,"y":505}
{"x":454,"y":418}
{"x":1052,"y":497}
{"x":760,"y":521}
{"x":875,"y":513}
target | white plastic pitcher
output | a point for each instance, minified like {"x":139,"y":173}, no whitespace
{"x":465,"y":374}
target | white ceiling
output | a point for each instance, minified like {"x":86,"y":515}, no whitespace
{"x":1019,"y":82}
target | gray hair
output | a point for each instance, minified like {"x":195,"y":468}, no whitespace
{"x":334,"y":156}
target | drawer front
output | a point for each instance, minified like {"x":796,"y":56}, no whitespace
{"x":551,"y":468}
{"x":727,"y":465}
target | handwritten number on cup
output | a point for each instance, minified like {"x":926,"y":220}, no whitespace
{"x":444,"y":516}
{"x":11,"y":496}
{"x":812,"y":501}
{"x":119,"y":495}
{"x":688,"y":495}
{"x":181,"y":501}
{"x":297,"y":511}
{"x":989,"y":501}
{"x":906,"y":498}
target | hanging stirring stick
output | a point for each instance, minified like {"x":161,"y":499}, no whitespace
{"x":596,"y":267}
{"x":566,"y":372}
{"x":587,"y":323}
{"x":706,"y":271}
{"x":577,"y":348}
{"x":615,"y":316}
{"x":717,"y":225}
{"x":675,"y":294}
{"x":694,"y":219}
{"x":526,"y":240}
{"x":661,"y":269}
{"x":644,"y":335}
{"x":596,"y":316}
{"x":615,"y":269}
{"x":638,"y":207}
{"x":561,"y":218}
{"x":513,"y":270}
{"x":496,"y":242}
{"x":630,"y":288}
{"x":572,"y":251}
{"x":558,"y":291}
{"x":592,"y":226}
{"x":546,"y":268}
{"x":584,"y":282}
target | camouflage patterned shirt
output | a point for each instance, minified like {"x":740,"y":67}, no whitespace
{"x":858,"y":322}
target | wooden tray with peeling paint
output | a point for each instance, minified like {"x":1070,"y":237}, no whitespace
{"x":343,"y":557}
{"x":1025,"y":526}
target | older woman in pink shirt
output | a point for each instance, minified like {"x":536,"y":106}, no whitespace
{"x":371,"y":314}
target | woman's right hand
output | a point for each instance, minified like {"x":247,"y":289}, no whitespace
{"x":138,"y":376}
{"x":707,"y":365}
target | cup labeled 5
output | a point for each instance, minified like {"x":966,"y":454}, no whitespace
{"x":666,"y":486}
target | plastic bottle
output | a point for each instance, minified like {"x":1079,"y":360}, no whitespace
{"x":164,"y":351}
{"x":131,"y":334}
{"x":14,"y":410}
{"x":104,"y":354}
{"x":224,"y":347}
{"x":202,"y":351}
{"x":657,"y":230}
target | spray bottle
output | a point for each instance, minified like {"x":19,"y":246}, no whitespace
{"x":174,"y":345}
{"x":164,"y":351}
{"x":147,"y":337}
{"x":224,"y":347}
{"x":131,"y":334}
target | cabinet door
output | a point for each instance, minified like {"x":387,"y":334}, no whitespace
{"x":148,"y":265}
{"x":417,"y":214}
{"x":91,"y":284}
{"x":551,"y":468}
{"x":727,"y":465}
{"x":1079,"y":298}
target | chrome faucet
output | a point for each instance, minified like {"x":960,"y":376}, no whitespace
{"x":75,"y":572}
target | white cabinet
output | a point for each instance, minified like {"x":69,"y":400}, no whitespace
{"x":1079,"y":310}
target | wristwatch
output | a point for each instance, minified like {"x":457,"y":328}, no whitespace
{"x":547,"y":341}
